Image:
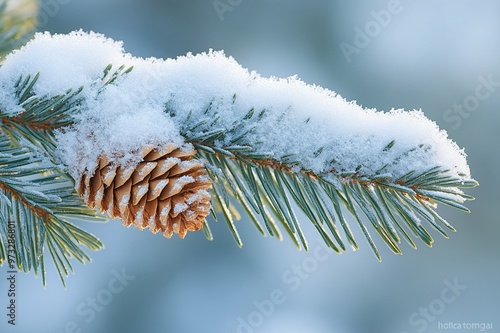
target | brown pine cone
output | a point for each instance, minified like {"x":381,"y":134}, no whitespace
{"x":165,"y":192}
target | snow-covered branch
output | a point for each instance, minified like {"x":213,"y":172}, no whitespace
{"x":320,"y":129}
{"x":146,"y":139}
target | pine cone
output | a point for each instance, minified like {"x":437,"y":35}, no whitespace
{"x":165,"y":192}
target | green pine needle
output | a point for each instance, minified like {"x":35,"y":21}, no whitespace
{"x":266,"y":189}
{"x":37,"y":200}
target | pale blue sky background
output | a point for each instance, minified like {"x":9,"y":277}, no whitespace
{"x":429,"y":55}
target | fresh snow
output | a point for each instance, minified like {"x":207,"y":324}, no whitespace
{"x":180,"y":207}
{"x":181,"y":182}
{"x":303,"y":123}
{"x":196,"y":197}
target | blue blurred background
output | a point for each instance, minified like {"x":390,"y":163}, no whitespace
{"x":423,"y":54}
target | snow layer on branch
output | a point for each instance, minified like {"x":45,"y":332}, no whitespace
{"x":292,"y":121}
{"x":63,"y":61}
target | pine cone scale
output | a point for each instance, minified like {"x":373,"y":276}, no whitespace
{"x":123,"y":175}
{"x":108,"y":175}
{"x":139,"y":191}
{"x":157,"y":187}
{"x":142,"y":171}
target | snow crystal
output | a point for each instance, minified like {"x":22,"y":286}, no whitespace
{"x":143,"y":189}
{"x":124,"y":202}
{"x":182,"y":181}
{"x":190,"y":214}
{"x":188,"y":164}
{"x":196,"y":197}
{"x":169,"y":163}
{"x":203,"y":178}
{"x":138,"y":218}
{"x":164,"y":215}
{"x":160,"y":185}
{"x":443,"y":195}
{"x":292,"y":122}
{"x":180,"y":207}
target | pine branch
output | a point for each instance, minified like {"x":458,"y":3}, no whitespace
{"x":36,"y":196}
{"x":266,"y":187}
{"x":40,"y":201}
{"x":132,"y":155}
{"x":41,"y":115}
